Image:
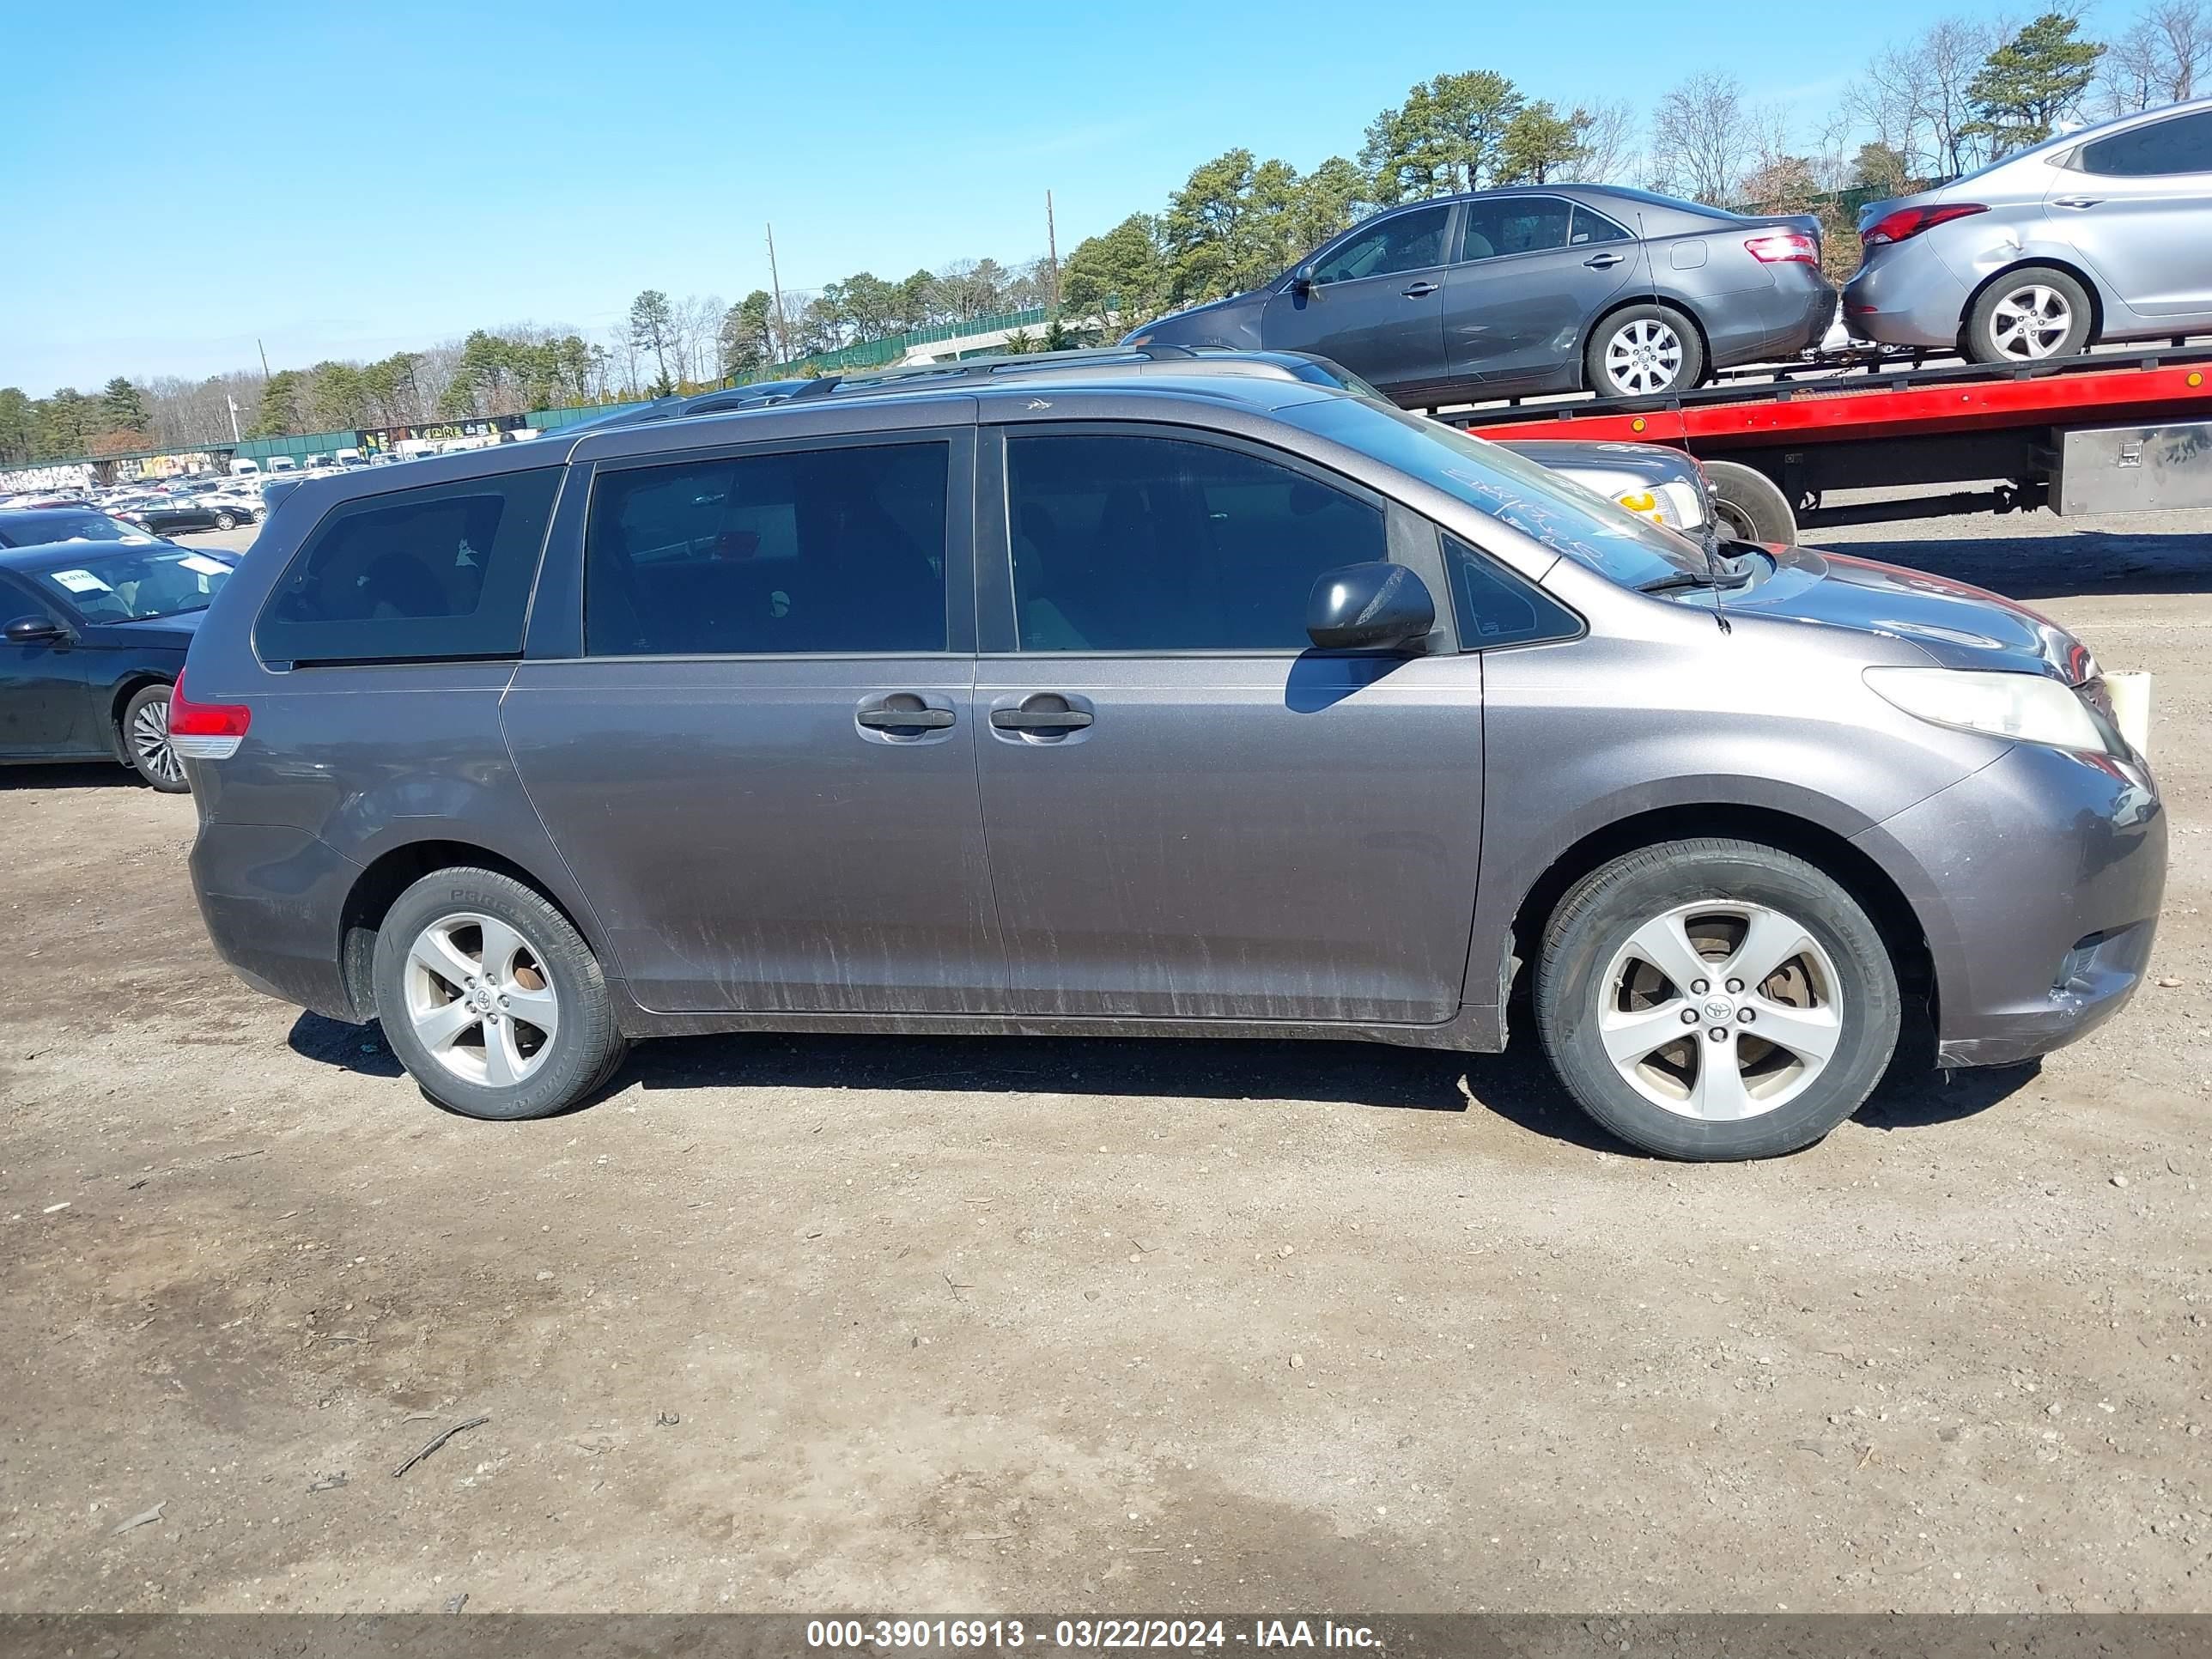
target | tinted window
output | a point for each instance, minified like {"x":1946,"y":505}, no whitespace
{"x":836,"y":550}
{"x":1513,"y":224}
{"x":137,"y":586}
{"x":1405,"y":241}
{"x":414,"y":575}
{"x":2181,"y":145}
{"x":1156,"y":544}
{"x":1496,"y":607}
{"x":1594,"y":228}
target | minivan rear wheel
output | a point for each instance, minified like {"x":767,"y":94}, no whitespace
{"x":1715,"y":999}
{"x":491,"y":1000}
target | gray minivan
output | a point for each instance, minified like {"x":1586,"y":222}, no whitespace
{"x":1199,"y":703}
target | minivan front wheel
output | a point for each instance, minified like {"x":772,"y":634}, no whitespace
{"x":1715,"y":999}
{"x":492,"y":1001}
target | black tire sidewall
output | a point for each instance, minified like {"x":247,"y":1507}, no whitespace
{"x":1693,"y":350}
{"x":1981,"y":348}
{"x":1598,"y":915}
{"x":157,"y":692}
{"x":586,"y":1048}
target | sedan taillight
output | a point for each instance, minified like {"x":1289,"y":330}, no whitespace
{"x":1911,"y":222}
{"x":205,"y":731}
{"x":1781,"y":247}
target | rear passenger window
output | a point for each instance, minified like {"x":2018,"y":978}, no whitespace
{"x":1156,"y":544}
{"x":2183,"y":144}
{"x":1496,"y":607}
{"x":836,"y":551}
{"x":414,"y":575}
{"x":1594,"y":228}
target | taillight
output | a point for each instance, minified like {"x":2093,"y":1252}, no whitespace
{"x":1779,"y":247}
{"x":1911,"y":221}
{"x":205,"y":731}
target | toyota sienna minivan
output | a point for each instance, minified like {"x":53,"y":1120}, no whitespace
{"x":1199,"y":703}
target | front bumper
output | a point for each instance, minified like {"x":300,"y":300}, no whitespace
{"x":1906,"y":295}
{"x":2037,"y":881}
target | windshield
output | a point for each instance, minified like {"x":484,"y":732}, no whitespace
{"x":1551,"y":510}
{"x":137,"y":586}
{"x":81,"y":524}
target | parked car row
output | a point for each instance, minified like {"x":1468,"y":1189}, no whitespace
{"x":2098,"y":235}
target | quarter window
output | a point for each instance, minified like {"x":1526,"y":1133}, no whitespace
{"x":1141,"y":544}
{"x":414,"y":575}
{"x":1591,"y":229}
{"x":1412,"y":240}
{"x":1496,"y":607}
{"x":836,"y":551}
{"x":2183,"y":144}
{"x":1513,"y":224}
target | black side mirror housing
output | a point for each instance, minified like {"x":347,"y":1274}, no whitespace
{"x":35,"y":630}
{"x":1369,"y":607}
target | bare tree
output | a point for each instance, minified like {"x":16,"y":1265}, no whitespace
{"x":1954,"y":50}
{"x":1702,"y":135}
{"x":2158,"y":59}
{"x":1608,"y":146}
{"x":1893,"y":102}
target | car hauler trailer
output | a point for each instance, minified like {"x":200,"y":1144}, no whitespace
{"x":2095,"y":434}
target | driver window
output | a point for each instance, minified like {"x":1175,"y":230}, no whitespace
{"x":1405,"y":241}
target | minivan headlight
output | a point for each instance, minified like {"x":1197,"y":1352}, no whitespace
{"x":2025,"y":708}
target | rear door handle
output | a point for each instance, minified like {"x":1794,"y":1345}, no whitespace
{"x":2077,"y":202}
{"x":880,"y":717}
{"x":1603,"y":262}
{"x":1420,"y":290}
{"x":1039,"y":720}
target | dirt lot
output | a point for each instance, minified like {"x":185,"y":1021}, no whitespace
{"x":816,"y":1324}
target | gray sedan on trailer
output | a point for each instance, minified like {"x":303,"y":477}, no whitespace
{"x":1536,"y":288}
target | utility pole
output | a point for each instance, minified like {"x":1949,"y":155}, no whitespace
{"x":264,"y":350}
{"x":233,"y":401}
{"x":1052,"y":256}
{"x":775,"y":282}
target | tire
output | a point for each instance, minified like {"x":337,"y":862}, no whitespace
{"x":1752,"y":507}
{"x":1597,"y":974}
{"x":2002,"y":325}
{"x":1660,"y":353}
{"x":145,"y":734}
{"x":226,"y":521}
{"x":492,"y":1060}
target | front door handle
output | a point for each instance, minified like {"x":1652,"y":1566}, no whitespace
{"x":1420,"y":290}
{"x":1039,"y":720}
{"x":883,"y":719}
{"x":1603,"y":262}
{"x":2077,"y":202}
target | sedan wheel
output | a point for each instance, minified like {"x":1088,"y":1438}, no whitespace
{"x":226,"y":521}
{"x":146,"y":740}
{"x":2031,"y":322}
{"x":1644,"y":357}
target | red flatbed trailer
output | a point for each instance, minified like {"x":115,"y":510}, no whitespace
{"x":2100,"y":433}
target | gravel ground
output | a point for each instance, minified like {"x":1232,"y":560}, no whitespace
{"x":812,"y":1323}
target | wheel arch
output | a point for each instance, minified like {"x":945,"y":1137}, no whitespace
{"x":1826,"y":850}
{"x":391,"y":872}
{"x":2073,"y":268}
{"x":128,"y":686}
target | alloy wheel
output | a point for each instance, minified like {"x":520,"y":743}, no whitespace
{"x":150,"y":743}
{"x":2031,"y":322}
{"x":480,"y":1000}
{"x":1720,"y":1010}
{"x":1644,"y":356}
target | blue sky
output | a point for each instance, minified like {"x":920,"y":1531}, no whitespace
{"x":343,"y":181}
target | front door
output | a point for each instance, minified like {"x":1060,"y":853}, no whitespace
{"x":1532,"y":271}
{"x":1191,"y":813}
{"x":43,"y":695}
{"x":761,"y":769}
{"x":2138,"y":207}
{"x":1373,"y":303}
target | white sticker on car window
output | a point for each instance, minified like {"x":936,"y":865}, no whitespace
{"x":81,"y":581}
{"x":200,"y":565}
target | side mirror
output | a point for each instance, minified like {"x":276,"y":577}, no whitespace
{"x":1369,"y":607}
{"x":1302,"y":281}
{"x":35,"y":630}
